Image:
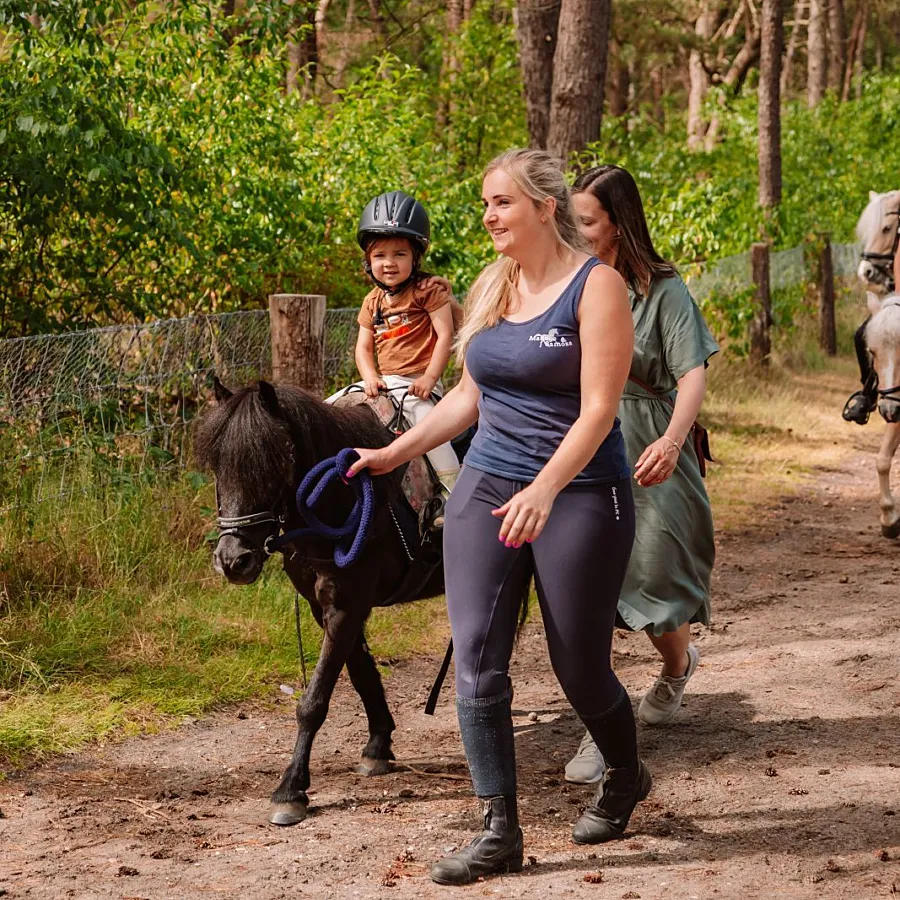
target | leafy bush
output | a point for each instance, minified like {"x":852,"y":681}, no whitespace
{"x":152,"y":165}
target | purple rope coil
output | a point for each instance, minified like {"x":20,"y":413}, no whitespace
{"x":349,"y":537}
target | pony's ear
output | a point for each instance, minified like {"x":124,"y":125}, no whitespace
{"x":268,"y":397}
{"x":873,"y":301}
{"x":873,"y":195}
{"x":220,"y":392}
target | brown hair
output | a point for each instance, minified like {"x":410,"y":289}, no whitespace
{"x":615,"y":190}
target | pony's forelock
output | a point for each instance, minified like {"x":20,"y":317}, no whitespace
{"x":868,"y":228}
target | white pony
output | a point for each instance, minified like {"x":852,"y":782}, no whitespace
{"x":883,"y":340}
{"x":878,"y":340}
{"x":879,"y":230}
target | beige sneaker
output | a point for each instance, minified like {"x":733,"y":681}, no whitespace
{"x":587,"y":766}
{"x":662,"y":702}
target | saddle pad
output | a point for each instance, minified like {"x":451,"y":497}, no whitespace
{"x":418,"y":486}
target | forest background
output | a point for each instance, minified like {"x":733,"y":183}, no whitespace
{"x":159,"y":159}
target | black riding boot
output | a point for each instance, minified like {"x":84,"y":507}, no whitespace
{"x":861,"y":403}
{"x":496,"y":850}
{"x":485,"y":724}
{"x":626,"y":782}
{"x":619,"y":793}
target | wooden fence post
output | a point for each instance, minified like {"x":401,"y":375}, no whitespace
{"x":297,"y":323}
{"x":760,"y":339}
{"x":827,"y":328}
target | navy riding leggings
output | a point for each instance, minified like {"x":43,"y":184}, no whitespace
{"x":578,"y":563}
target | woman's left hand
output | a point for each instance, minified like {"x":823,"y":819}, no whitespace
{"x":525,"y":515}
{"x":657,"y":462}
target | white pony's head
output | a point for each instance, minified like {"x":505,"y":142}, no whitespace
{"x":883,"y":341}
{"x":877,"y":229}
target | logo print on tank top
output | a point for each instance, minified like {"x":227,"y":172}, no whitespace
{"x":551,"y":339}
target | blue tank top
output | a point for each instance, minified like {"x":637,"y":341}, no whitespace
{"x":529,"y":374}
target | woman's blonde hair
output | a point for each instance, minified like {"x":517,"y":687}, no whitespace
{"x":538,"y":175}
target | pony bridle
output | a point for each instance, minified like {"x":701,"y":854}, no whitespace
{"x":237,"y":525}
{"x":883,"y":263}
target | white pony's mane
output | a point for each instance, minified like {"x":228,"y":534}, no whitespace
{"x":872,"y":216}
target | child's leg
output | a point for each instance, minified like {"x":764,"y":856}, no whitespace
{"x":342,"y":391}
{"x":443,"y":458}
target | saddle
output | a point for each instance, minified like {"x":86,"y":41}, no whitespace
{"x":423,"y":502}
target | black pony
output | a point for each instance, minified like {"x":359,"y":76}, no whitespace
{"x":259,"y":443}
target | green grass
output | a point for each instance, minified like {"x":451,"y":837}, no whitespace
{"x":113,"y":623}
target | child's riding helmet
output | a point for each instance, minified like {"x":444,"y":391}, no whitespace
{"x":394,"y":214}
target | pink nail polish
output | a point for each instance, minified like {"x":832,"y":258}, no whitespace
{"x":517,"y":546}
{"x":528,"y":540}
{"x":348,"y":474}
{"x":508,"y":544}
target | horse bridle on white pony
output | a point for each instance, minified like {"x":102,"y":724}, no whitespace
{"x":883,"y":263}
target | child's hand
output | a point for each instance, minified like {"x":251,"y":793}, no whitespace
{"x":422,"y":387}
{"x":435,"y":281}
{"x":373,"y":385}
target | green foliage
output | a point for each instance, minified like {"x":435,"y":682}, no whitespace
{"x":151,"y":163}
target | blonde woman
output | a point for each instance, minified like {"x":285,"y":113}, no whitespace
{"x":548,"y":344}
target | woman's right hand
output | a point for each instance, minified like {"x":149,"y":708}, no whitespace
{"x":378,"y":462}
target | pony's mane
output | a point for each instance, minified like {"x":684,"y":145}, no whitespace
{"x":240,"y":438}
{"x":872,"y":216}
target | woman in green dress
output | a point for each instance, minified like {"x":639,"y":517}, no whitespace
{"x":667,"y":585}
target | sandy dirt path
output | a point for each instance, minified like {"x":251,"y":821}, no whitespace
{"x":780,"y":779}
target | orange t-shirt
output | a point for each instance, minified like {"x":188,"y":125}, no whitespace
{"x":405,"y":340}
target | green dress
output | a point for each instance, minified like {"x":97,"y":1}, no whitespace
{"x":667,"y":583}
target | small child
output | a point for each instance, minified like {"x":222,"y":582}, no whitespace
{"x":408,"y":319}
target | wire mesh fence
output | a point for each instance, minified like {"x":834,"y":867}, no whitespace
{"x":89,"y":408}
{"x":787,"y":268}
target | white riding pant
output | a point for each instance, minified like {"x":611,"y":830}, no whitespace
{"x":443,"y":458}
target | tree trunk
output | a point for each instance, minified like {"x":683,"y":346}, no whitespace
{"x":657,"y":89}
{"x":449,"y":66}
{"x":857,"y":29}
{"x":536,"y":26}
{"x":376,"y":20}
{"x":734,"y":77}
{"x":303,"y":51}
{"x":836,"y":45}
{"x":699,"y":81}
{"x":787,"y":69}
{"x":346,"y":37}
{"x":817,"y":60}
{"x":321,"y":16}
{"x":619,"y":83}
{"x":771,"y":41}
{"x":579,"y":73}
{"x":860,"y":52}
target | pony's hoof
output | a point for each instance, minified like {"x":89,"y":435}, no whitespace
{"x":891,"y":531}
{"x":370,"y":767}
{"x":288,"y":813}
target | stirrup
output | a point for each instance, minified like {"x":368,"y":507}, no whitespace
{"x":857,"y":408}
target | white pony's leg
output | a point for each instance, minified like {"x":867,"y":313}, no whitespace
{"x":890,"y":517}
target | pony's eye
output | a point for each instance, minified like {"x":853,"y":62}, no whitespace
{"x":886,"y":229}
